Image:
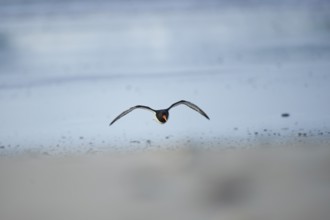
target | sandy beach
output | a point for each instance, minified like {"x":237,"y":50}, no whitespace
{"x":188,"y":183}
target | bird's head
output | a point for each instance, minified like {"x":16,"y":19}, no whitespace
{"x":162,"y":116}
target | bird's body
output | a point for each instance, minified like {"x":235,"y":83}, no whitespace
{"x":162,"y":114}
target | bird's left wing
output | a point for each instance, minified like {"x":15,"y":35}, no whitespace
{"x":191,"y":105}
{"x":129,"y":110}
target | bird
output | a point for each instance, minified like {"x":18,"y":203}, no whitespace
{"x":162,"y":115}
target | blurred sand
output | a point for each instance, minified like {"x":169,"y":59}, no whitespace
{"x":188,"y":183}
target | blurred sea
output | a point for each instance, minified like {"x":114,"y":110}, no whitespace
{"x":67,"y":68}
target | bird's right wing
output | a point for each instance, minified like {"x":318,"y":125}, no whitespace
{"x":129,"y":110}
{"x":190,"y":105}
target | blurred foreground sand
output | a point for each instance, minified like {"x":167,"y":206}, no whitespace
{"x":181,"y":184}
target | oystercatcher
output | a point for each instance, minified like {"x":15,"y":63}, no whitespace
{"x":162,"y":115}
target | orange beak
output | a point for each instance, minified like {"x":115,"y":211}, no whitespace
{"x":164,"y":117}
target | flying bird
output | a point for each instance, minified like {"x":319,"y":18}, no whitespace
{"x":162,"y":114}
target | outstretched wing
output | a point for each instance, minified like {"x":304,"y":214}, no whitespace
{"x":129,"y":110}
{"x":191,"y":105}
